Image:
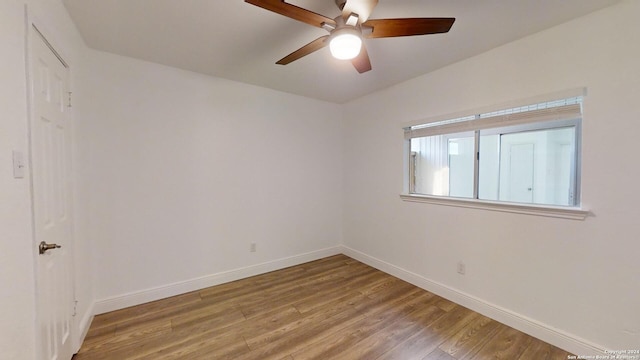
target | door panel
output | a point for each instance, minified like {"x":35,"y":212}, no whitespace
{"x":521,"y":173}
{"x":50,"y":155}
{"x":517,"y":163}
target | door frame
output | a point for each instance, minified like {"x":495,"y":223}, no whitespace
{"x":34,"y":25}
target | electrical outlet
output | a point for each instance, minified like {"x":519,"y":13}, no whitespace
{"x":462,"y":268}
{"x":252,"y":247}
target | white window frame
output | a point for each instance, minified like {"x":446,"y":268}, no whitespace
{"x":513,"y":118}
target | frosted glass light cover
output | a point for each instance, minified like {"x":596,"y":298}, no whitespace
{"x":345,"y":46}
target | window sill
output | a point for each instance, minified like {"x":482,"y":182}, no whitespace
{"x":538,"y":210}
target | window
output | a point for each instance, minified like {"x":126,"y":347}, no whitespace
{"x":526,"y":155}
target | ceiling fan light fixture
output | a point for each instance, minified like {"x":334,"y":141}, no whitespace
{"x":347,"y":31}
{"x":345,"y":43}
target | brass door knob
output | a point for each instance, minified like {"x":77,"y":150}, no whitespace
{"x":44,"y":247}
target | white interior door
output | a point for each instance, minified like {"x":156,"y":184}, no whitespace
{"x":50,"y":158}
{"x":521,"y":173}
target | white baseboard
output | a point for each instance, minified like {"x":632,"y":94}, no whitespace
{"x":517,"y":321}
{"x":161,"y":292}
{"x":545,"y":332}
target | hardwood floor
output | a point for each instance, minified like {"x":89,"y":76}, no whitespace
{"x":334,"y":308}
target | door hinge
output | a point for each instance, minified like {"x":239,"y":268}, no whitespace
{"x":69,"y":105}
{"x":75,"y":308}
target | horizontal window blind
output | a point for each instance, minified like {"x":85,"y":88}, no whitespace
{"x":565,"y":109}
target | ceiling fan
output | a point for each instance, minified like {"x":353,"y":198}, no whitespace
{"x":347,"y":30}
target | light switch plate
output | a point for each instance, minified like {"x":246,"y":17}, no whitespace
{"x":18,"y":165}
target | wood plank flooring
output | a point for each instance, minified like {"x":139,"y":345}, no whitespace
{"x":333,"y":308}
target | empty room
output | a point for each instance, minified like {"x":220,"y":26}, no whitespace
{"x":319,"y":179}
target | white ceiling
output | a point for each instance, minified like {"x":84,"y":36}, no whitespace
{"x":238,"y":41}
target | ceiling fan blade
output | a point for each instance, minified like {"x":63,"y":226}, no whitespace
{"x":361,"y":7}
{"x":293,"y":12}
{"x":407,"y":27}
{"x":315,"y":45}
{"x":362,"y":62}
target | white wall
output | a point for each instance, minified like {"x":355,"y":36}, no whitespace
{"x":183,"y":171}
{"x":17,"y":332}
{"x":576,"y":277}
{"x":17,"y":299}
